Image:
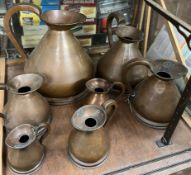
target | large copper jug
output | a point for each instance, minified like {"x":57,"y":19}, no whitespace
{"x":124,"y":50}
{"x":89,"y":142}
{"x":59,"y":56}
{"x":25,"y":104}
{"x":25,"y":153}
{"x":155,"y":98}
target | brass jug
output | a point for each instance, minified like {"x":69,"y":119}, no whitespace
{"x":59,"y":56}
{"x":89,"y":142}
{"x":25,"y":153}
{"x":25,"y":105}
{"x":99,"y":91}
{"x":124,"y":50}
{"x":155,"y":98}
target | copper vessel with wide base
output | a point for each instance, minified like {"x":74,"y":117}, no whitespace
{"x":89,"y":142}
{"x":59,"y":56}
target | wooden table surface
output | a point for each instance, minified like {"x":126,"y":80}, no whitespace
{"x":133,"y":146}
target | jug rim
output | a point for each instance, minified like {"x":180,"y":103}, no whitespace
{"x":21,"y":136}
{"x":166,"y":69}
{"x":129,"y":34}
{"x":98,"y":85}
{"x":83,"y":120}
{"x":25,"y":83}
{"x":61,"y":18}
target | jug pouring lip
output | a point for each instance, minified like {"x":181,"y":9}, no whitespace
{"x":166,"y":69}
{"x":21,"y":136}
{"x":63,"y":18}
{"x":25,"y":83}
{"x":129,"y":34}
{"x":99,"y":85}
{"x":89,"y":118}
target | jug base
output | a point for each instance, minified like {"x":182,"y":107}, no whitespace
{"x":86,"y":165}
{"x":147,"y":122}
{"x":31,"y":171}
{"x":67,"y":100}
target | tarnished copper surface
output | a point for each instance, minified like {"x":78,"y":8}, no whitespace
{"x":59,"y":56}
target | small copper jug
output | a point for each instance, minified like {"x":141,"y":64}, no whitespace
{"x":124,"y":50}
{"x":155,"y":99}
{"x":99,"y":90}
{"x":89,"y":142}
{"x":25,"y":104}
{"x":59,"y":56}
{"x":25,"y":153}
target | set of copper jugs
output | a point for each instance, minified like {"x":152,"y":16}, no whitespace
{"x":63,"y":72}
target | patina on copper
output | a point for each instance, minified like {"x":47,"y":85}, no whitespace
{"x":25,"y":104}
{"x":155,"y":99}
{"x":124,"y":50}
{"x":25,"y":153}
{"x":89,"y":142}
{"x":59,"y":55}
{"x":99,"y":91}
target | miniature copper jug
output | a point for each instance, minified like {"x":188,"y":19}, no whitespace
{"x":110,"y":65}
{"x":25,"y":153}
{"x":89,"y":142}
{"x":59,"y":55}
{"x":25,"y":105}
{"x":99,"y":90}
{"x":155,"y":99}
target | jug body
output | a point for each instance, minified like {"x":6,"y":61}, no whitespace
{"x":111,"y":64}
{"x":155,"y":99}
{"x":25,"y":153}
{"x":25,"y":105}
{"x":59,"y":56}
{"x":88,"y":143}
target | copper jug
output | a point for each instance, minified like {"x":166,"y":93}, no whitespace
{"x":126,"y":49}
{"x":99,"y":91}
{"x":59,"y":56}
{"x":89,"y":142}
{"x":25,"y":153}
{"x":155,"y":99}
{"x":25,"y":105}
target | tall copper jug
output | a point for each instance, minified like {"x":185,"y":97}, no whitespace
{"x":110,"y":65}
{"x":25,"y":153}
{"x":89,"y":142}
{"x":59,"y":56}
{"x":25,"y":104}
{"x":155,"y":98}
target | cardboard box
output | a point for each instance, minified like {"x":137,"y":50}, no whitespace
{"x":89,"y":12}
{"x":85,"y":42}
{"x":28,"y":18}
{"x":50,"y":2}
{"x":36,"y":2}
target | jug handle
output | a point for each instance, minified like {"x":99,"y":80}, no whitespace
{"x":110,"y":107}
{"x":132,"y":63}
{"x":122,"y":87}
{"x":7,"y":23}
{"x":120,"y":20}
{"x":42,"y":130}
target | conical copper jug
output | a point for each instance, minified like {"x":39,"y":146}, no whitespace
{"x":59,"y":56}
{"x":24,"y":104}
{"x":89,"y":142}
{"x":99,"y":91}
{"x":124,"y":50}
{"x":25,"y":153}
{"x":155,"y":99}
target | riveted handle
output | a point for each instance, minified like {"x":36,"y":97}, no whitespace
{"x":136,"y":62}
{"x":7,"y":23}
{"x":122,"y":89}
{"x":42,"y":130}
{"x":120,"y":20}
{"x":110,"y":107}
